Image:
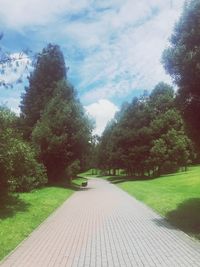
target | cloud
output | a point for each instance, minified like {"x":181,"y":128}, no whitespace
{"x":22,"y":13}
{"x":16,"y":69}
{"x":113,"y":47}
{"x":13,"y":103}
{"x":11,"y":98}
{"x":129,"y":52}
{"x":102,"y":111}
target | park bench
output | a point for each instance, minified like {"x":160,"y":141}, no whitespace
{"x":84,"y":184}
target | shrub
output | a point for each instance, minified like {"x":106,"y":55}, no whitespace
{"x":72,"y":170}
{"x":19,"y":169}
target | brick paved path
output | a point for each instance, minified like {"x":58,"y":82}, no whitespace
{"x":104,"y":226}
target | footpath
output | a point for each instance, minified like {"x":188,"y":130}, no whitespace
{"x":103,"y":226}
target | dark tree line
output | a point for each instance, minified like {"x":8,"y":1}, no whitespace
{"x":147,"y":137}
{"x":152,"y":135}
{"x":182,"y":61}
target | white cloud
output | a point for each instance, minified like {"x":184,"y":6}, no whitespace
{"x":15,"y":69}
{"x":22,"y":13}
{"x":127,"y":44}
{"x":102,"y":111}
{"x":13,"y":103}
{"x":11,"y":99}
{"x":121,"y":40}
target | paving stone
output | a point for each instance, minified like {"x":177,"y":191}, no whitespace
{"x":104,"y":226}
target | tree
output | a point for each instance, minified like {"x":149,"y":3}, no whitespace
{"x":158,"y":155}
{"x":171,"y":148}
{"x":147,"y":136}
{"x":49,"y":69}
{"x":105,"y":147}
{"x":161,"y":99}
{"x":63,"y":133}
{"x":182,"y":61}
{"x":135,"y":136}
{"x":91,"y":158}
{"x":124,"y":143}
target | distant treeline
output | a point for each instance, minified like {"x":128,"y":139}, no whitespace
{"x":146,"y":137}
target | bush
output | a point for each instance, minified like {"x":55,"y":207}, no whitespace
{"x":19,"y":169}
{"x":72,"y":170}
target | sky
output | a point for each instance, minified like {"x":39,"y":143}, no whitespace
{"x":113,"y":48}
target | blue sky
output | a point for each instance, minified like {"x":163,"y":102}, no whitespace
{"x":113,"y":47}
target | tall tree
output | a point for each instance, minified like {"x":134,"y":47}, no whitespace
{"x":63,"y":133}
{"x":105,"y":147}
{"x":182,"y":61}
{"x":49,"y":68}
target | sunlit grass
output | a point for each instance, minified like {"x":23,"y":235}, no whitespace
{"x":21,"y":213}
{"x":175,"y":196}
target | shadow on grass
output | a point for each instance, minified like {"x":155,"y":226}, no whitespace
{"x":73,"y":185}
{"x":186,"y":217}
{"x":121,"y":179}
{"x":10,"y":205}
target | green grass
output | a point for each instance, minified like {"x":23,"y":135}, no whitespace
{"x":175,"y":196}
{"x":21,"y":213}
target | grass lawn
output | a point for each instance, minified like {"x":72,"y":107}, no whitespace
{"x":21,"y":213}
{"x":175,"y":196}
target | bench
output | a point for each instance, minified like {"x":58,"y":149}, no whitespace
{"x":84,"y":184}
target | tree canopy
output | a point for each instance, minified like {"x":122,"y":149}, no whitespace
{"x":49,"y":68}
{"x":147,"y":136}
{"x":63,"y":132}
{"x":182,"y":61}
{"x":52,"y":116}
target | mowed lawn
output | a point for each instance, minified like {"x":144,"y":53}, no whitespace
{"x":175,"y":196}
{"x":21,"y":213}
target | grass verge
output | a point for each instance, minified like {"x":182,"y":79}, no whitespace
{"x":175,"y":196}
{"x":21,"y":213}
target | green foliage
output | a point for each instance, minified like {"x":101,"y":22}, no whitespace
{"x":49,"y":69}
{"x":53,"y":118}
{"x":72,"y":170}
{"x":106,"y":148}
{"x":91,"y":158}
{"x":147,"y":137}
{"x":161,"y":98}
{"x":182,"y":61}
{"x":171,"y":145}
{"x":63,"y":132}
{"x":25,"y":172}
{"x":19,"y":169}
